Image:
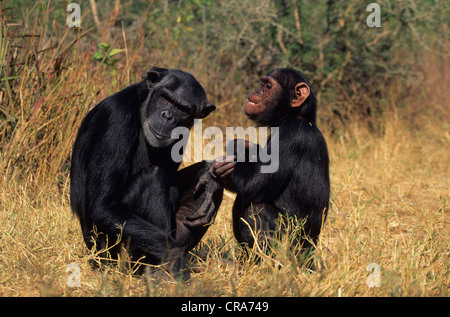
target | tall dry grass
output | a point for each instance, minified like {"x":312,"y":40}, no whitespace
{"x":389,"y":206}
{"x":389,"y":201}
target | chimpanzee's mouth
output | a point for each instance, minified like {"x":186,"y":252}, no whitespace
{"x":159,"y":136}
{"x":251,"y":105}
{"x":253,"y":108}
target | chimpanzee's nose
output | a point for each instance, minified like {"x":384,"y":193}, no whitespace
{"x":167,"y":115}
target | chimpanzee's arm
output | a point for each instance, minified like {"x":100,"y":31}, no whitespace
{"x":252,"y":179}
{"x":201,"y":196}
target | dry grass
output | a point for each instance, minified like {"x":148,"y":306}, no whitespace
{"x":389,"y":202}
{"x":388,"y":206}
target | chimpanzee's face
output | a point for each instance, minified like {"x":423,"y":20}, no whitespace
{"x":281,"y":96}
{"x":175,"y":100}
{"x":162,"y":115}
{"x":267,"y":96}
{"x":265,"y":101}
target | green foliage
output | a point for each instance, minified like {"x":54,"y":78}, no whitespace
{"x":348,"y":63}
{"x":232,"y":43}
{"x":106,"y":54}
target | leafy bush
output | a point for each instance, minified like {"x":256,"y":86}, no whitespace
{"x":51,"y":75}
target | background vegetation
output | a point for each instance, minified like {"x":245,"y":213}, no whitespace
{"x":383,"y":108}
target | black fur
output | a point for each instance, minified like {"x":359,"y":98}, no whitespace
{"x":301,"y":185}
{"x":124,"y":182}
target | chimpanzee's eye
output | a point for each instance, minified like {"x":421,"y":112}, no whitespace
{"x":266,"y":84}
{"x":166,"y":101}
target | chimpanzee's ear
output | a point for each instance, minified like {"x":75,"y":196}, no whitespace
{"x":154,"y":75}
{"x":301,"y":92}
{"x":206,"y":109}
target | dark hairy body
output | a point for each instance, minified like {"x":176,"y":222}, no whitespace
{"x":124,"y":182}
{"x":300,"y":187}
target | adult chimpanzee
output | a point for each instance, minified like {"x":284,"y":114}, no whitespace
{"x":124,"y":182}
{"x":301,"y":186}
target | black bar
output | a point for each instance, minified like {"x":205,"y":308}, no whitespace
{"x":217,"y":305}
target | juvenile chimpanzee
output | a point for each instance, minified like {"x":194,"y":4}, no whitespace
{"x":301,"y":186}
{"x":124,"y":181}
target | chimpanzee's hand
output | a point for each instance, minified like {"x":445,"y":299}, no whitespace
{"x":222,"y":166}
{"x":213,"y":191}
